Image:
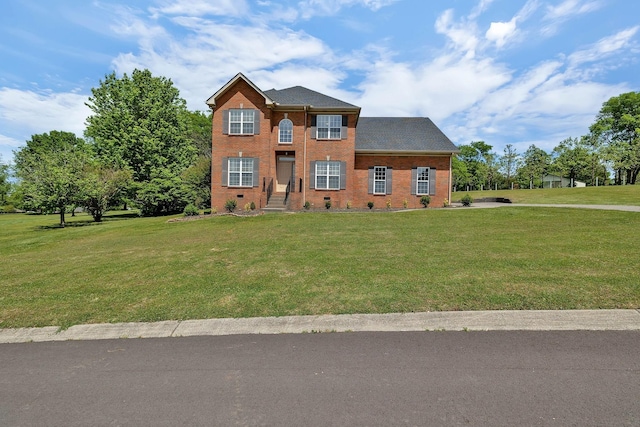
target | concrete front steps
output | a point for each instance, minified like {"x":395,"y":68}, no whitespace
{"x":276,"y":203}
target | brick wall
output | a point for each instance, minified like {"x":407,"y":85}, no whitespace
{"x":401,"y":186}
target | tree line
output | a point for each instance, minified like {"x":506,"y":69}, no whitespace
{"x":141,"y":147}
{"x":608,"y":154}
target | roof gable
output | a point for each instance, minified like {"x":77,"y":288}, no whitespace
{"x":211,"y":102}
{"x":401,"y":134}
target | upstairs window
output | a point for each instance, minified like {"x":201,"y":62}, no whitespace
{"x":241,"y":121}
{"x":286,"y":132}
{"x":329,"y":127}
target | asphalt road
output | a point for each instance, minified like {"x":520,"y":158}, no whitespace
{"x":585,"y":378}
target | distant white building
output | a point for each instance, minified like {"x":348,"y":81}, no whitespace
{"x":555,"y":181}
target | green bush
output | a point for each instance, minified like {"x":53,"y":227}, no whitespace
{"x":230,"y":205}
{"x":191,"y":210}
{"x":425,"y":200}
{"x":252,"y":206}
{"x":327,"y":204}
{"x":370,"y":204}
{"x":466,"y":200}
{"x":307,"y":205}
{"x":207,"y":211}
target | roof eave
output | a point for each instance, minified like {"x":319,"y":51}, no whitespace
{"x":407,"y":152}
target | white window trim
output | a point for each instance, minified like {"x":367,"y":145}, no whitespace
{"x":418,"y":180}
{"x":383,"y":180}
{"x":280,"y":141}
{"x":243,"y":120}
{"x":327,"y":175}
{"x":330,"y":117}
{"x":239,"y":172}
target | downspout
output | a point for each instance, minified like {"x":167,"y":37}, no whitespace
{"x":450,"y":176}
{"x":304,"y":159}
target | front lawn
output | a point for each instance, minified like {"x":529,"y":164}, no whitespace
{"x":147,"y":269}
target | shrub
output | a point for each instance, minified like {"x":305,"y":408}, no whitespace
{"x":348,"y":204}
{"x":307,"y":205}
{"x":405,"y":203}
{"x":207,"y":211}
{"x":191,"y":210}
{"x":425,"y":200}
{"x":230,"y":205}
{"x":388,"y":204}
{"x":327,"y":204}
{"x":370,"y":204}
{"x":252,"y":206}
{"x":247,"y":207}
{"x":466,"y":200}
{"x":445,"y":203}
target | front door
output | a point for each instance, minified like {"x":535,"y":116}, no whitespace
{"x":284,"y":172}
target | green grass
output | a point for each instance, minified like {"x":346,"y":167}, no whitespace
{"x":146,"y":269}
{"x":609,"y":195}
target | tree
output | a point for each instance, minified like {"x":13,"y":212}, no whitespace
{"x":617,"y":126}
{"x":199,"y":131}
{"x":140,"y":123}
{"x":509,"y":163}
{"x":5,"y":184}
{"x":50,"y":169}
{"x":535,"y":162}
{"x":479,"y":162}
{"x":571,"y":160}
{"x":197,"y":177}
{"x":102,"y":188}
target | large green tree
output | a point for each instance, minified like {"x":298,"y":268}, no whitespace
{"x":50,"y":168}
{"x":479,"y":165}
{"x":535,"y":162}
{"x":140,"y":123}
{"x":577,"y":159}
{"x":617,"y":126}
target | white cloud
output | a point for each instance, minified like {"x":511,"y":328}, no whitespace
{"x":499,"y":32}
{"x":566,"y":10}
{"x":462,"y":35}
{"x":604,"y":47}
{"x":571,"y":7}
{"x":34,"y":112}
{"x":502,"y":32}
{"x":202,"y":7}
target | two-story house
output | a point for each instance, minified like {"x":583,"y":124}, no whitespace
{"x":282,"y":148}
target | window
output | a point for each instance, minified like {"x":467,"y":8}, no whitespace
{"x":422,"y":181}
{"x":286,"y":131}
{"x":329,"y":127}
{"x":240,"y":172}
{"x":327,"y":175}
{"x":380,"y":180}
{"x":241,"y":121}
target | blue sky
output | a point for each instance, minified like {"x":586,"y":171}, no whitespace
{"x":515,"y":72}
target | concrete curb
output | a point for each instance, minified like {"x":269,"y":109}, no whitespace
{"x":534,"y":320}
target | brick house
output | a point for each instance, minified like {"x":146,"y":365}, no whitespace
{"x":280,"y":148}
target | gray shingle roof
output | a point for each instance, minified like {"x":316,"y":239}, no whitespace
{"x":299,"y":95}
{"x":410,"y":134}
